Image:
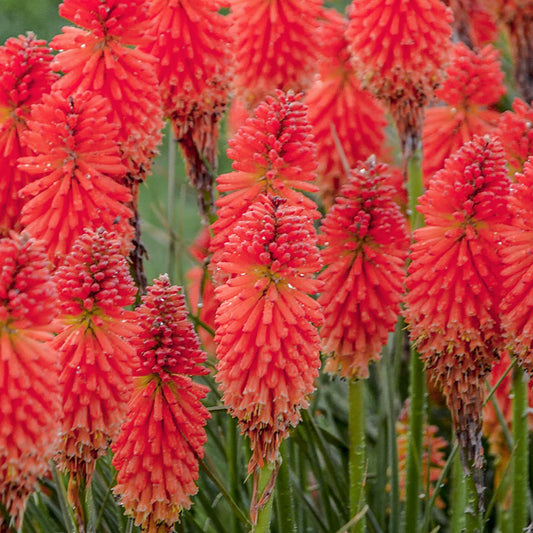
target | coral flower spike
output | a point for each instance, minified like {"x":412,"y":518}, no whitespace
{"x":341,"y":111}
{"x":455,"y":281}
{"x":516,"y":307}
{"x":474,"y":83}
{"x":275,"y":46}
{"x":102,"y":57}
{"x":77,"y":165}
{"x":29,"y":370}
{"x":94,"y":285}
{"x":190,"y":39}
{"x":161,"y":442}
{"x":273,"y":152}
{"x":266,"y":324}
{"x":402,"y":46}
{"x":365,"y":247}
{"x":25,"y":75}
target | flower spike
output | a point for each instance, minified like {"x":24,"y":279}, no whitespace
{"x":266,"y":324}
{"x":454,"y":282}
{"x":94,"y":286}
{"x":365,"y":247}
{"x":160,"y":444}
{"x":30,"y":406}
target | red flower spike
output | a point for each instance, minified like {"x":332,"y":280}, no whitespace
{"x":474,"y":83}
{"x":272,"y":153}
{"x":77,"y":167}
{"x":190,"y":39}
{"x":338,"y":106}
{"x":401,"y":46}
{"x":515,"y":130}
{"x":365,"y":248}
{"x":268,"y":345}
{"x":101,"y":57}
{"x":455,"y":280}
{"x":516,"y":306}
{"x":275,"y":45}
{"x":30,"y":407}
{"x":158,"y":449}
{"x":96,"y":353}
{"x":25,"y":75}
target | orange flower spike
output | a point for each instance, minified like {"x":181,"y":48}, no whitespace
{"x":103,"y":57}
{"x":275,"y":43}
{"x":401,"y":46}
{"x":159,"y":446}
{"x":96,"y":353}
{"x":273,"y":153}
{"x":455,"y":277}
{"x":515,"y":130}
{"x":25,"y":75}
{"x":190,"y":39}
{"x":77,"y":166}
{"x":337,"y":105}
{"x":30,"y":407}
{"x":365,"y":248}
{"x":433,"y":455}
{"x":474,"y":82}
{"x":516,"y":306}
{"x":268,"y":345}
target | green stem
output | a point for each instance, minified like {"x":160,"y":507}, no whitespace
{"x":458,"y":496}
{"x":417,"y":384}
{"x":473,"y":512}
{"x":264,"y":509}
{"x":357,"y":455}
{"x":417,"y":391}
{"x":393,"y":356}
{"x":520,"y":456}
{"x":284,"y":493}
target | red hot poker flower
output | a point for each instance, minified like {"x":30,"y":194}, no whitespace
{"x":30,"y":406}
{"x":365,"y":247}
{"x":102,"y":57}
{"x":338,"y":106}
{"x":454,"y":281}
{"x":402,"y":46}
{"x":25,"y":75}
{"x":272,"y":153}
{"x":474,"y":83}
{"x":516,"y":306}
{"x":96,"y":355}
{"x":159,"y":446}
{"x":266,"y":324}
{"x":190,"y":39}
{"x":275,"y":45}
{"x":77,"y":167}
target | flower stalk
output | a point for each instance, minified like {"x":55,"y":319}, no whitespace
{"x":357,"y":452}
{"x":521,"y":453}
